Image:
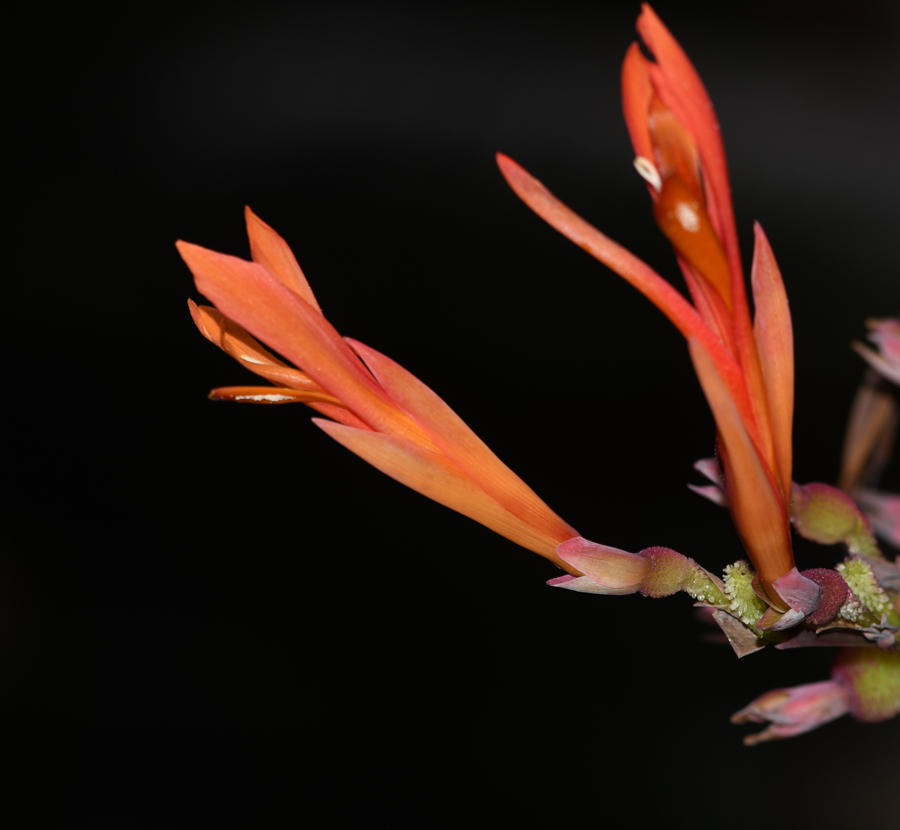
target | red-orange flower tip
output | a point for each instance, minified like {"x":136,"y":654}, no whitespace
{"x":380,"y":411}
{"x":745,"y":367}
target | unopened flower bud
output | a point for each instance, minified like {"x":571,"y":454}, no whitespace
{"x":826,"y":515}
{"x":793,"y":711}
{"x":872,"y":678}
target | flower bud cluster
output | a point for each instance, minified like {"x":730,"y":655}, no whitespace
{"x":868,"y":601}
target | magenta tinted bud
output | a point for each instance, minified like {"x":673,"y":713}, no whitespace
{"x":834,"y":594}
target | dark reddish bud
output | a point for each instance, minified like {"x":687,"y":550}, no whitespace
{"x":834,"y":594}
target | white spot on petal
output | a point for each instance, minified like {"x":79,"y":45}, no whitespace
{"x":687,"y":217}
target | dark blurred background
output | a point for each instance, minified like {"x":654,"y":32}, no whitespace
{"x":210,"y":614}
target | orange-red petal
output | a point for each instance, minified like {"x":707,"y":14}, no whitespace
{"x":775,"y":341}
{"x":432,"y":475}
{"x":271,"y":251}
{"x":682,"y":217}
{"x":674,"y":148}
{"x":679,"y":86}
{"x":637,"y":93}
{"x":462,"y":446}
{"x":754,"y":498}
{"x":248,"y":294}
{"x":632,"y":269}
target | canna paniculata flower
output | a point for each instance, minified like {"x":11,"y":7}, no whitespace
{"x":745,"y":367}
{"x":378,"y":410}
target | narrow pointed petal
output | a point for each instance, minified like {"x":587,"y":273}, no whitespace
{"x":708,"y":302}
{"x":679,"y":87}
{"x":250,"y":296}
{"x":461,"y":445}
{"x":268,"y":395}
{"x":630,"y":268}
{"x":434,"y":476}
{"x":208,"y":321}
{"x":602,"y":248}
{"x":236,"y":342}
{"x":239,"y":344}
{"x":637,"y":92}
{"x":775,"y":341}
{"x":269,"y":250}
{"x":756,"y":505}
{"x":229,"y":336}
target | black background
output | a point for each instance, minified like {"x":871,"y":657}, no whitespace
{"x":212,"y":615}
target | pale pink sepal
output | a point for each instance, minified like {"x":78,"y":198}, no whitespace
{"x":432,"y":475}
{"x":887,"y":368}
{"x":800,"y":593}
{"x":709,"y":467}
{"x":585,"y":585}
{"x":710,"y":491}
{"x":886,"y":334}
{"x":616,"y":571}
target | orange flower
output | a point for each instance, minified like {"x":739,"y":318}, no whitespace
{"x":745,"y":367}
{"x":379,"y":410}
